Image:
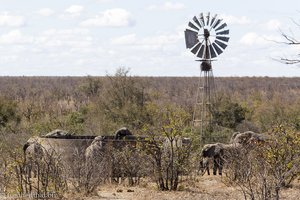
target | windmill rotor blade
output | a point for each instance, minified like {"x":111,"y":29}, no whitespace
{"x":201,"y":51}
{"x":212,"y":52}
{"x":224,"y":39}
{"x":207,"y":18}
{"x":217,"y":23}
{"x":213,"y":20}
{"x":222,"y":26}
{"x":202,"y":19}
{"x":226,"y":32}
{"x":218,"y":50}
{"x":191,"y":38}
{"x":195,"y":49}
{"x":192,"y":26}
{"x":197,"y":21}
{"x":221,"y":44}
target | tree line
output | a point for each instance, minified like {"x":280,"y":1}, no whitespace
{"x":150,"y":106}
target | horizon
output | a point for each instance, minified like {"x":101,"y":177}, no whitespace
{"x":102,"y":76}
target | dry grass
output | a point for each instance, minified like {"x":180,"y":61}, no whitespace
{"x":203,"y":187}
{"x":206,"y":187}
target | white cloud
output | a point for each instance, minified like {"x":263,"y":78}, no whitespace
{"x":75,"y":31}
{"x":11,"y":20}
{"x":162,"y":39}
{"x":167,"y":6}
{"x":273,"y":25}
{"x":103,"y":1}
{"x":14,"y":37}
{"x":70,"y":38}
{"x":240,"y":20}
{"x":125,"y":40}
{"x":4,"y":59}
{"x":148,"y":43}
{"x":253,"y":38}
{"x":115,"y":17}
{"x":45,"y":12}
{"x":74,"y":10}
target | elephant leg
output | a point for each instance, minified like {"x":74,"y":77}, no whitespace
{"x":215,"y":166}
{"x":203,"y":167}
{"x":200,"y":168}
{"x":207,"y":169}
{"x":220,"y":168}
{"x":206,"y":166}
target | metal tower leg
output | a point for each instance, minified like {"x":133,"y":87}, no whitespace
{"x":202,"y":116}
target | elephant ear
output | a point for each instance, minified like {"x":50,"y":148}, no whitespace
{"x":25,"y":146}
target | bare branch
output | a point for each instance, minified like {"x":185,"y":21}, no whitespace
{"x":290,"y":40}
{"x":297,"y":23}
{"x":289,"y":61}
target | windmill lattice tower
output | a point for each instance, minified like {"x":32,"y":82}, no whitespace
{"x":206,"y":37}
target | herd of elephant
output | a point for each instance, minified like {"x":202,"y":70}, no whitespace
{"x":211,"y":154}
{"x":70,"y":148}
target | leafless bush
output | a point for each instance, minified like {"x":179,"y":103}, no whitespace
{"x":86,"y":173}
{"x":129,"y":162}
{"x":5,"y":177}
{"x":169,"y":160}
{"x":262,"y":169}
{"x":42,"y":173}
{"x":21,"y":174}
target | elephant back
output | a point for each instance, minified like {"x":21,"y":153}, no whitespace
{"x":212,"y":150}
{"x":247,"y":138}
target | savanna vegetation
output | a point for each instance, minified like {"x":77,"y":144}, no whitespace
{"x":155,"y":107}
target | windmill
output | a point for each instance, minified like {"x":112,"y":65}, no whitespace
{"x":206,"y":37}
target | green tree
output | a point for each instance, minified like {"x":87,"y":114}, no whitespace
{"x":91,"y":86}
{"x":169,"y":151}
{"x":8,"y":113}
{"x":123,"y":101}
{"x":228,"y":114}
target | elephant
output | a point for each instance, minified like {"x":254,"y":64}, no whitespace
{"x":220,"y":153}
{"x":97,"y":159}
{"x":96,"y":148}
{"x":122,"y":132}
{"x":214,"y":152}
{"x":246,"y":138}
{"x":36,"y":151}
{"x":33,"y":154}
{"x":33,"y":148}
{"x":177,"y":142}
{"x":99,"y":143}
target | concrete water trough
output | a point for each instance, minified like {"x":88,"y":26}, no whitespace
{"x":70,"y":148}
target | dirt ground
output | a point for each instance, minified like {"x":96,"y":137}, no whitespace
{"x":206,"y":187}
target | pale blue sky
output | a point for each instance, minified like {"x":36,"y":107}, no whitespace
{"x":95,"y":37}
